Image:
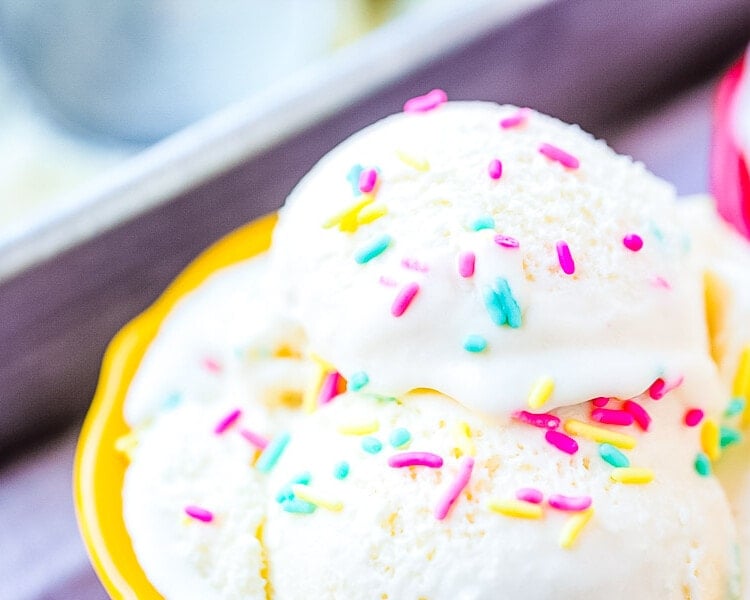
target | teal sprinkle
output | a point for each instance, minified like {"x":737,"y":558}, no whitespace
{"x":658,"y":233}
{"x":371,"y":445}
{"x":272,"y":453}
{"x":358,"y":380}
{"x":353,"y":178}
{"x":485,"y":222}
{"x":286,"y":493}
{"x":735,"y":407}
{"x":399,"y":437}
{"x":702,"y":465}
{"x":475,"y":343}
{"x":341,"y":470}
{"x":376,"y":248}
{"x":494,"y":306}
{"x":171,"y":401}
{"x":381,"y":398}
{"x":298,"y":506}
{"x":729,"y":436}
{"x":510,"y":305}
{"x":613,"y":456}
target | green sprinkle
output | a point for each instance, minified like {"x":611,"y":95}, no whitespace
{"x":613,"y":456}
{"x":735,"y":407}
{"x":485,"y":222}
{"x":371,"y":445}
{"x":508,"y":302}
{"x":270,"y":456}
{"x":341,"y":470}
{"x":399,"y":437}
{"x":729,"y":436}
{"x":358,"y":380}
{"x":353,"y":178}
{"x":475,"y":343}
{"x":702,"y":465}
{"x":298,"y":506}
{"x":375,"y":248}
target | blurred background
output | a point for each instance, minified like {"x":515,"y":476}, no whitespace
{"x":135,"y":133}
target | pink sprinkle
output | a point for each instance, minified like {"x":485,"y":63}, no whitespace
{"x":387,"y":281}
{"x":404,"y":299}
{"x":330,"y":388}
{"x":600,"y":402}
{"x":693,"y":417}
{"x":660,"y":282}
{"x":415,"y":459}
{"x":562,"y":442}
{"x":367,"y":180}
{"x":661,"y":388}
{"x":211,"y":365}
{"x":559,"y":155}
{"x":255,"y":439}
{"x":633,"y":242}
{"x":612,"y":417}
{"x":572,"y":503}
{"x":495,"y":169}
{"x":515,"y":120}
{"x":414,"y":265}
{"x":227,"y":421}
{"x":429,"y":101}
{"x":565,"y":258}
{"x":200,"y":514}
{"x":456,"y":487}
{"x":543,"y":420}
{"x":640,"y":415}
{"x":506,"y":241}
{"x":532,"y":495}
{"x":466,"y":262}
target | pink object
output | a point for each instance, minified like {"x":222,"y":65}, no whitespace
{"x":515,"y":120}
{"x":565,"y":258}
{"x":404,"y":298}
{"x":386,"y":281}
{"x":612,"y":417}
{"x":367,"y":180}
{"x":532,"y":495}
{"x":211,"y":364}
{"x":571,"y":503}
{"x":640,"y":415}
{"x":600,"y":402}
{"x":200,"y":514}
{"x":330,"y":388}
{"x":227,"y":421}
{"x":415,"y":459}
{"x":542,"y":420}
{"x":456,"y":487}
{"x":414,"y":265}
{"x":429,"y":101}
{"x":559,"y":155}
{"x":693,"y":417}
{"x":561,"y":441}
{"x":660,"y":282}
{"x":255,"y":439}
{"x":495,"y":169}
{"x":661,"y":388}
{"x":633,"y":242}
{"x":466,"y":261}
{"x":506,"y":241}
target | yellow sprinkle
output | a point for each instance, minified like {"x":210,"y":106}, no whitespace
{"x":310,"y":397}
{"x":415,"y":163}
{"x":741,"y":386}
{"x":710,"y":439}
{"x":516,"y":508}
{"x":364,"y":428}
{"x":573,"y":526}
{"x":599,"y":434}
{"x":304,"y":492}
{"x":125,"y":444}
{"x":347,"y":218}
{"x":462,"y":438}
{"x":371,"y":213}
{"x":632,"y":475}
{"x":541,"y":392}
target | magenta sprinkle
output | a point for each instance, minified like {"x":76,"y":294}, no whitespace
{"x":612,"y":417}
{"x":532,"y":495}
{"x":200,"y":514}
{"x":414,"y":265}
{"x":495,"y":169}
{"x":456,"y":487}
{"x":633,"y":242}
{"x":227,"y":421}
{"x":515,"y":120}
{"x":543,"y":420}
{"x":429,"y":101}
{"x":640,"y":415}
{"x":600,"y":402}
{"x":255,"y":439}
{"x":693,"y":417}
{"x":661,"y":388}
{"x":506,"y":241}
{"x":415,"y":459}
{"x":404,"y":299}
{"x":329,"y":389}
{"x":387,"y":281}
{"x":562,"y":442}
{"x":660,"y":282}
{"x":211,"y":365}
{"x":558,"y":154}
{"x":565,"y":259}
{"x":466,"y":262}
{"x":571,"y":503}
{"x":367,"y":180}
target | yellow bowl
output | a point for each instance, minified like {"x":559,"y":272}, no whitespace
{"x":99,"y":468}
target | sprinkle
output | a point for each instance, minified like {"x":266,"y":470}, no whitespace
{"x":414,"y":265}
{"x":515,"y":120}
{"x":430,"y":101}
{"x":126,"y":444}
{"x":495,"y":169}
{"x":171,"y":401}
{"x":710,"y":439}
{"x":558,"y":154}
{"x":633,"y":241}
{"x":741,"y":384}
{"x":371,"y":445}
{"x":341,"y":470}
{"x":212,"y":365}
{"x":573,"y":527}
{"x":295,"y":505}
{"x":475,"y":343}
{"x":516,"y":508}
{"x":286,"y":493}
{"x":307,"y":494}
{"x":613,"y":456}
{"x":729,"y":436}
{"x":735,"y":407}
{"x":271,"y":454}
{"x":399,"y":437}
{"x":227,"y":421}
{"x":347,"y":218}
{"x":506,"y":241}
{"x":456,"y":487}
{"x":640,"y":414}
{"x":387,"y":281}
{"x":632,"y":475}
{"x":312,"y":392}
{"x":693,"y":417}
{"x":565,"y":259}
{"x":417,"y":164}
{"x":600,"y":402}
{"x":501,"y":305}
{"x":330,"y":388}
{"x":367,"y":180}
{"x":363,"y":428}
{"x":569,"y":503}
{"x":353,"y":178}
{"x":543,"y":420}
{"x":660,"y":282}
{"x":541,"y":392}
{"x":612,"y":417}
{"x":702,"y":465}
{"x":415,"y":459}
{"x":373,"y":249}
{"x":532,"y":495}
{"x":358,"y":380}
{"x":255,"y":439}
{"x":466,"y":263}
{"x":485,"y":222}
{"x":462,"y":437}
{"x":599,"y":434}
{"x":371,"y":213}
{"x":562,"y":442}
{"x":661,"y":388}
{"x":404,"y":298}
{"x":199,"y":514}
